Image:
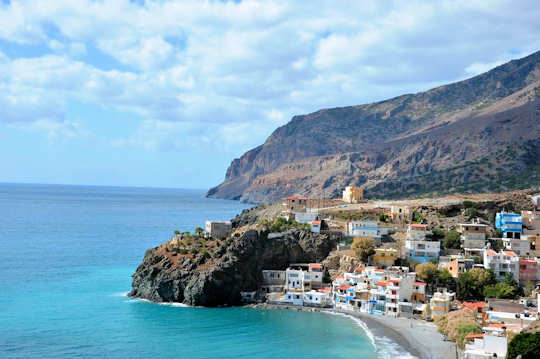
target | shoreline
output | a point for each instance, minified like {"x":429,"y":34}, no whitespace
{"x":419,"y":339}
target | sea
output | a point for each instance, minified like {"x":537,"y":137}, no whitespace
{"x":67,"y":254}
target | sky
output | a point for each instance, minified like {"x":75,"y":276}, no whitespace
{"x":167,"y":93}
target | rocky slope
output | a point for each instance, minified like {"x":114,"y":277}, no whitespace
{"x":481,"y":134}
{"x":215,"y":275}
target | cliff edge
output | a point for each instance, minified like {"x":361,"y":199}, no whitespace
{"x":213,"y":272}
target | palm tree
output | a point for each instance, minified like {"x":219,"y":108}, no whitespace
{"x":199,"y":231}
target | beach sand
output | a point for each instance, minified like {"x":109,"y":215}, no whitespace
{"x":419,"y":338}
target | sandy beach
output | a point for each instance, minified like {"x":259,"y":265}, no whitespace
{"x":419,"y":338}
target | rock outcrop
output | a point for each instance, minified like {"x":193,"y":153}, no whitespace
{"x":477,"y":135}
{"x":217,"y":279}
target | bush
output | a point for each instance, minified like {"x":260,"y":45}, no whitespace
{"x":525,"y":344}
{"x":463,"y":329}
{"x":182,"y":251}
{"x":363,"y":247}
{"x":194,"y":250}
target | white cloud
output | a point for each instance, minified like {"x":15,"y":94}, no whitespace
{"x":222,"y":73}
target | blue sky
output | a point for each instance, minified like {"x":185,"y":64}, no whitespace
{"x":167,"y":93}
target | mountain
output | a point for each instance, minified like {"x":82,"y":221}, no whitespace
{"x":480,"y":134}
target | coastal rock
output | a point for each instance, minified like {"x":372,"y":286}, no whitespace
{"x":218,"y":280}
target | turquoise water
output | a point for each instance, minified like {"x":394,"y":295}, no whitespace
{"x":66,"y":258}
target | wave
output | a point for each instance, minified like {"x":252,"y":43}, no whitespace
{"x":120,"y":294}
{"x":385,"y":347}
{"x":167,"y":304}
{"x":360,"y":323}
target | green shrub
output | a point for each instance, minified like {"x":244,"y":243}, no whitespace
{"x":525,"y":344}
{"x":194,"y":250}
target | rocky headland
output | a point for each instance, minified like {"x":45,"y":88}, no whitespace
{"x":213,"y":272}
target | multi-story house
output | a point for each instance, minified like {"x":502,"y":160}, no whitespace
{"x":398,"y":296}
{"x":439,"y":304}
{"x":529,"y":269}
{"x":273,"y":281}
{"x":365,"y":229}
{"x":473,"y":238}
{"x":384,"y":257}
{"x":378,"y":295}
{"x":502,"y":263}
{"x":510,"y":224}
{"x":400,"y":214}
{"x":295,"y":203}
{"x":520,"y":246}
{"x":459,"y":265}
{"x":531,"y":230}
{"x":418,"y":246}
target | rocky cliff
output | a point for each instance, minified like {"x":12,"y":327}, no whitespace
{"x":481,"y":134}
{"x":213,"y":273}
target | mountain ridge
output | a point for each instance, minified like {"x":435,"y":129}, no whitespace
{"x":398,"y":146}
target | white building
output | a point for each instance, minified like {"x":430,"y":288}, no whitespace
{"x":440,"y":303}
{"x":486,"y":346}
{"x":502,"y":263}
{"x":316,"y":226}
{"x":317,"y":298}
{"x":218,"y":229}
{"x":305,"y":217}
{"x":365,"y":229}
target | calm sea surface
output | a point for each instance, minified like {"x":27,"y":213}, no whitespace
{"x":66,"y":258}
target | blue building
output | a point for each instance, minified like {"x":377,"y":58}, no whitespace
{"x":510,"y":224}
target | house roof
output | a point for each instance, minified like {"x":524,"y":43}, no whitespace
{"x":501,"y":325}
{"x":325,"y":289}
{"x":382,"y":283}
{"x":359,"y":269}
{"x":379,"y":270}
{"x":510,"y":253}
{"x":418,"y":225}
{"x":474,"y":336}
{"x":344,"y":287}
{"x":419,"y":283}
{"x":296,"y":197}
{"x":340,"y":277}
{"x":491,"y":252}
{"x":474,"y":305}
{"x":316,"y":222}
{"x":315,"y":265}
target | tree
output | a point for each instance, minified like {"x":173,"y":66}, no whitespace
{"x":428,"y":272}
{"x":446,"y":280}
{"x":508,"y":289}
{"x":525,"y":344}
{"x":383,"y":218}
{"x":176,"y":232}
{"x":363,"y":247}
{"x":438,"y":233}
{"x":199,"y":231}
{"x":452,"y":239}
{"x":470,"y":285}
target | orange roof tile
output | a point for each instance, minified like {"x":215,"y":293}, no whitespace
{"x":340,"y":277}
{"x":418,"y":225}
{"x":382,"y":284}
{"x":474,"y":336}
{"x":344,"y":287}
{"x":419,"y":283}
{"x":474,"y":305}
{"x":359,"y":269}
{"x":379,"y":270}
{"x":325,"y":289}
{"x":491,"y":252}
{"x":315,"y":222}
{"x":315,"y":265}
{"x":509,"y":253}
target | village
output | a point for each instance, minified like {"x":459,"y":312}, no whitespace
{"x":477,"y":283}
